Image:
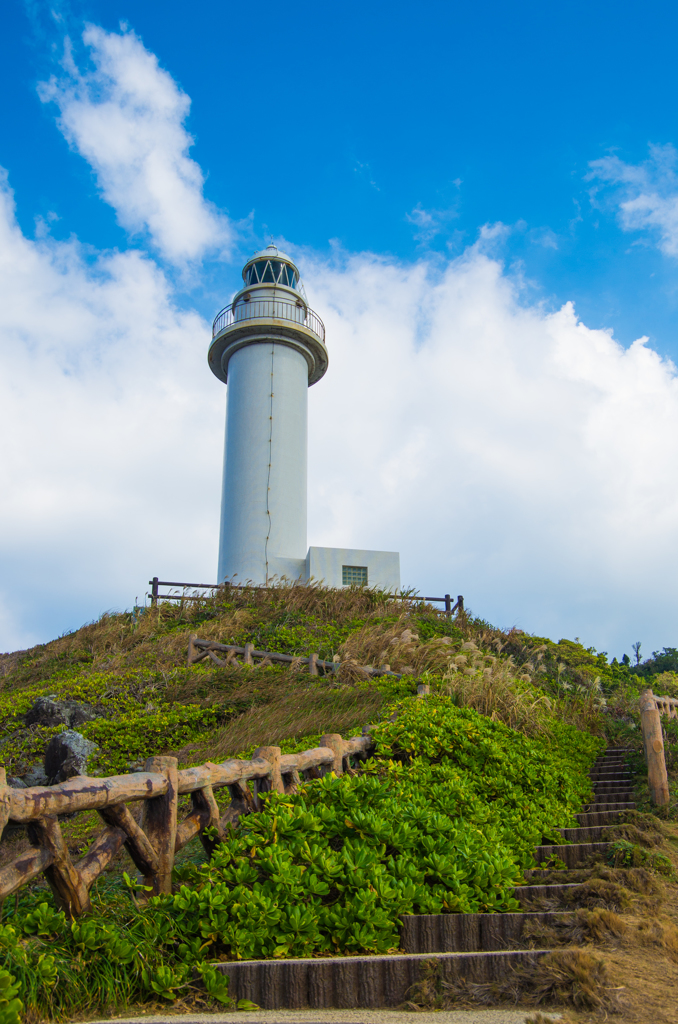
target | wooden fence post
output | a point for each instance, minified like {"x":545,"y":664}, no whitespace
{"x":137,"y":843}
{"x":337,"y":745}
{"x":274,"y":781}
{"x":4,"y":799}
{"x":64,"y":880}
{"x":159,"y":822}
{"x":204,"y":801}
{"x":423,"y":689}
{"x":653,"y":742}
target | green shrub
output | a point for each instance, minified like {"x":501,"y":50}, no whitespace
{"x":124,"y":741}
{"x":299,"y":633}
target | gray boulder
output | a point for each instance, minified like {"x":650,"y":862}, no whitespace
{"x":50,"y":711}
{"x":66,"y":755}
{"x":35,"y":776}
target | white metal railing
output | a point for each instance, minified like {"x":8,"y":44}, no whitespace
{"x":269,"y":309}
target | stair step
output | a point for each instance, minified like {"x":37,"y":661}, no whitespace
{"x":621,"y":781}
{"x":573,"y":854}
{"x":586,"y":834}
{"x":525,"y":893}
{"x":603,"y":808}
{"x":614,"y":797}
{"x":465,"y":933}
{"x":587,"y":820}
{"x":352,"y":982}
{"x":614,"y":784}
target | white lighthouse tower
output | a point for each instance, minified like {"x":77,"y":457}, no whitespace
{"x":269,"y":347}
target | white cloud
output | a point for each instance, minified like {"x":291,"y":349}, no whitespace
{"x":510,"y":454}
{"x":126,"y":118}
{"x":646,"y":194}
{"x":112,"y":433}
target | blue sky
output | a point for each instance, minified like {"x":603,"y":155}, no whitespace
{"x":330,"y":124}
{"x":450,"y":177}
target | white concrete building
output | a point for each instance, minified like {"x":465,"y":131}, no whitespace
{"x":269,"y":348}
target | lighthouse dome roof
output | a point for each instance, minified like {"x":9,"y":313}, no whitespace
{"x":271,"y":266}
{"x":271,"y":252}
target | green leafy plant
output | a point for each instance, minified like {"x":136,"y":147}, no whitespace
{"x":10,"y":1005}
{"x":44,"y":921}
{"x":624,"y":853}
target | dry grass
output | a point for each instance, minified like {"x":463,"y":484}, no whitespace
{"x":571,"y":977}
{"x":297,"y":710}
{"x":497,"y":688}
{"x":648,"y":982}
{"x":616,"y":889}
{"x":397,"y":645}
{"x":583,"y":926}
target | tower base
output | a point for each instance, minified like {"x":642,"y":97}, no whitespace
{"x":342,"y":567}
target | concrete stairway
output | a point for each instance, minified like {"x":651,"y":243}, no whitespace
{"x":474,"y":947}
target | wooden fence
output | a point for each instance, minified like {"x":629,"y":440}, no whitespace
{"x":156,"y":596}
{"x":200,"y":649}
{"x":153,"y":837}
{"x":652,"y":707}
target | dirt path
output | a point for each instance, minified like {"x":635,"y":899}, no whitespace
{"x":476,"y":1016}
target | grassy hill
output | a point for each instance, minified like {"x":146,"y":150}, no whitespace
{"x":132,"y":669}
{"x":442,"y":820}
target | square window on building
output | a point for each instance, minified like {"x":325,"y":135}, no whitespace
{"x":354,"y":575}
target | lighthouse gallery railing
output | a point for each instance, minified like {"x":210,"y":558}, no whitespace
{"x":275,"y":309}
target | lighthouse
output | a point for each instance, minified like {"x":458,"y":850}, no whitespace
{"x":268,"y":347}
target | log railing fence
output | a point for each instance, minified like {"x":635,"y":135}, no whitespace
{"x":156,"y":596}
{"x":199,"y":649}
{"x":153,"y":837}
{"x":652,"y":707}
